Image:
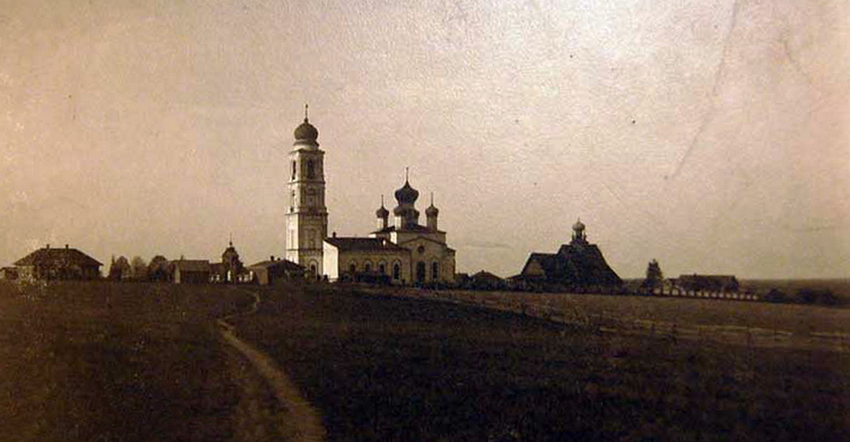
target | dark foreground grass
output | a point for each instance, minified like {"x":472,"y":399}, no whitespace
{"x":113,"y":362}
{"x":382,"y":368}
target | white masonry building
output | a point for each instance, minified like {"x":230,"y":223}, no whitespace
{"x":403,"y":253}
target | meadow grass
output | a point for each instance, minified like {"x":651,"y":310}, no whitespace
{"x":387,"y":368}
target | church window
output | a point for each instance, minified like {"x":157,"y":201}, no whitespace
{"x":382,"y":268}
{"x":435,"y":270}
{"x":352,"y":267}
{"x":368,"y":266}
{"x":420,"y":271}
{"x":310,"y":170}
{"x":396,"y":271}
{"x":294,"y":169}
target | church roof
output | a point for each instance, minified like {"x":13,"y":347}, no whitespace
{"x":362,"y":244}
{"x":57,"y":256}
{"x":575,"y":264}
{"x":409,"y":228}
{"x":306,"y":133}
{"x":407,"y":194}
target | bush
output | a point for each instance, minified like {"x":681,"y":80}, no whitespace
{"x":775,"y":295}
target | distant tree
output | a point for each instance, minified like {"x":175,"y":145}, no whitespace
{"x":775,"y":295}
{"x":138,"y":268}
{"x":158,"y":269}
{"x":815,"y":296}
{"x":654,"y":276}
{"x":119,"y":269}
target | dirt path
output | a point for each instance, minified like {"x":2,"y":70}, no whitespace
{"x":292,"y":417}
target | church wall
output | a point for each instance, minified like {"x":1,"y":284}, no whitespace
{"x":330,"y":259}
{"x":429,"y":254}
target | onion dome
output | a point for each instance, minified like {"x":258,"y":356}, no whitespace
{"x":382,"y":212}
{"x":432,"y":210}
{"x":306,"y":132}
{"x":578,"y":226}
{"x":407,"y":194}
{"x":230,"y":251}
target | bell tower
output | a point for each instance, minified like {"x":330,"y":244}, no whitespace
{"x":307,"y":215}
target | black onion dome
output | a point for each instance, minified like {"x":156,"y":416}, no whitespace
{"x":306,"y":131}
{"x":382,"y":212}
{"x":406,"y":194}
{"x":432,"y":211}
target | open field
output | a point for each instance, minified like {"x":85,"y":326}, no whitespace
{"x":389,"y":368}
{"x":113,"y":362}
{"x":737,"y":322}
{"x":144,"y":362}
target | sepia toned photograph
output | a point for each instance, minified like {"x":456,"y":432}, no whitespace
{"x":426,"y":220}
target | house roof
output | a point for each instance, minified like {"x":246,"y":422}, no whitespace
{"x":192,"y":265}
{"x":286,"y":264}
{"x":56,"y":256}
{"x":485,"y":276}
{"x":351,"y":244}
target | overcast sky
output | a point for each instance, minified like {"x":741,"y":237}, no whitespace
{"x":712,"y":135}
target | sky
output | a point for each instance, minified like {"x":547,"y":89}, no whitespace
{"x":711,"y":135}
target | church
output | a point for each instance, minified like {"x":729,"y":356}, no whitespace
{"x":405,"y":252}
{"x":577,"y":265}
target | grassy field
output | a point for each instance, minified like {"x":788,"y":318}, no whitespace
{"x":118,"y":362}
{"x":390,"y":368}
{"x":144,"y":362}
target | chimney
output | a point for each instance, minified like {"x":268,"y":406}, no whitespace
{"x":271,"y":258}
{"x":334,"y":234}
{"x":66,"y":246}
{"x":47,"y":246}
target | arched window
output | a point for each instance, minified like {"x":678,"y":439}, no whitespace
{"x":420,"y":271}
{"x":352,"y":267}
{"x":311,"y":172}
{"x":382,"y":268}
{"x":367,"y":267}
{"x":294,"y":170}
{"x":435,"y":270}
{"x":396,"y":271}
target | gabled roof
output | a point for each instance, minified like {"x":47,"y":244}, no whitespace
{"x":485,"y":276}
{"x":351,"y":244}
{"x":192,"y":265}
{"x":546,"y":261}
{"x":417,"y":238}
{"x":284,"y":263}
{"x":575,"y":263}
{"x":57,"y":256}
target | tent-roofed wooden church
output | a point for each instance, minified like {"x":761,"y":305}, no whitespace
{"x":577,"y":265}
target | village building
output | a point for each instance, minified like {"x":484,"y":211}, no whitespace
{"x":705,"y":284}
{"x":49,"y":264}
{"x":275,"y":270}
{"x":577,"y":265}
{"x":191,"y":271}
{"x":402,"y":253}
